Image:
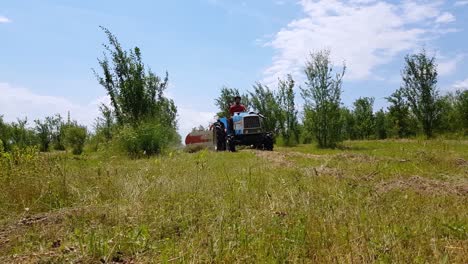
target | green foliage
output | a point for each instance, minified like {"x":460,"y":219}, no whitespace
{"x":75,"y":137}
{"x":147,"y":139}
{"x":364,"y":117}
{"x":322,"y":97}
{"x":16,"y":134}
{"x":226,"y":99}
{"x":263,"y":100}
{"x":136,"y":94}
{"x":105,"y":124}
{"x":399,"y":115}
{"x":56,"y":124}
{"x":461,"y":108}
{"x":381,"y":124}
{"x":420,"y":90}
{"x":43,"y":131}
{"x":4,"y":134}
{"x":145,"y":117}
{"x":348,"y":122}
{"x":287,"y":114}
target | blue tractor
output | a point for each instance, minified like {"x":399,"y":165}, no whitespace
{"x":243,"y":129}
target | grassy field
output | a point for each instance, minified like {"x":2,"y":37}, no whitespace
{"x":371,"y":201}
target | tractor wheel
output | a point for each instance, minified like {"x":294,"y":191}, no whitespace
{"x":268,"y":143}
{"x":220,"y":139}
{"x":231,"y":145}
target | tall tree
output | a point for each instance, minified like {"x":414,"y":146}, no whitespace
{"x":364,"y":117}
{"x":263,"y":101}
{"x":136,"y":94}
{"x":322,"y":97}
{"x":226,"y":99}
{"x":420,"y":89}
{"x":287,"y":114}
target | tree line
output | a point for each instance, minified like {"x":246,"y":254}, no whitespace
{"x":50,"y":133}
{"x":140,"y":120}
{"x":417,"y":107}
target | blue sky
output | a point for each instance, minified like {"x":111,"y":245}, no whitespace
{"x":48,"y":48}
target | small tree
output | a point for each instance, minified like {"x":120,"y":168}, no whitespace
{"x":381,"y":124}
{"x":136,"y":94}
{"x":75,"y":137}
{"x":43,"y":130}
{"x":137,"y":98}
{"x":105,"y":123}
{"x":461,"y":107}
{"x":226,"y":99}
{"x":4,"y":133}
{"x":364,"y":117}
{"x":287,"y":114}
{"x":322,"y":97}
{"x":56,"y":124}
{"x":348,"y":124}
{"x":263,"y":101}
{"x":399,"y":115}
{"x":20,"y":135}
{"x":419,"y":88}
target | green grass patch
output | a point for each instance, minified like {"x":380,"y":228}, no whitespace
{"x":371,"y":201}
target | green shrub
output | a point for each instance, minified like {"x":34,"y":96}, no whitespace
{"x":148,"y":138}
{"x":75,"y":137}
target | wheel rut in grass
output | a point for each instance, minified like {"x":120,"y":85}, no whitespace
{"x":424,"y":186}
{"x":282,"y":158}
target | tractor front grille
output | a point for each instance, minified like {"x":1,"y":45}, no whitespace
{"x":251,"y":122}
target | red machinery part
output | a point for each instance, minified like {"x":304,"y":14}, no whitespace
{"x":197,"y":138}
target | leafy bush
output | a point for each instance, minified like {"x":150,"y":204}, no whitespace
{"x":75,"y":137}
{"x":148,"y":138}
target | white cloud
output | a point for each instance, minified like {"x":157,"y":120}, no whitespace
{"x":445,"y":18}
{"x":461,"y":85}
{"x":18,"y":102}
{"x":461,"y":3}
{"x":448,"y":66}
{"x":364,"y":33}
{"x":4,"y":20}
